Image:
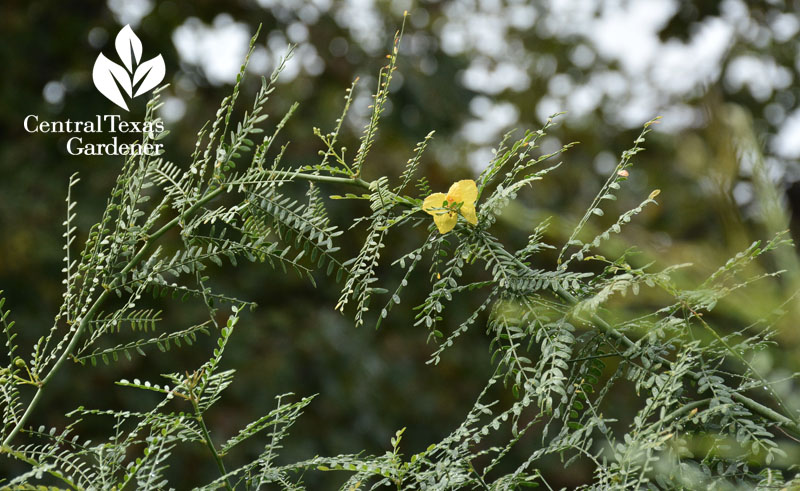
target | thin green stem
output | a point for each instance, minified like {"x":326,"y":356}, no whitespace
{"x":291,"y":176}
{"x":744,"y":361}
{"x":686,"y":408}
{"x":84,"y":323}
{"x":135,"y":260}
{"x":765,"y":412}
{"x":21,"y":456}
{"x":595,"y":357}
{"x":210,"y":444}
{"x":67,"y":351}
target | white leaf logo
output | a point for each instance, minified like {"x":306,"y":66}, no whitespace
{"x":104,"y":74}
{"x":109,"y":77}
{"x":127,"y":43}
{"x":151,"y":72}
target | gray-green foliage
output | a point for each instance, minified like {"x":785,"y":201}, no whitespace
{"x":551,"y":338}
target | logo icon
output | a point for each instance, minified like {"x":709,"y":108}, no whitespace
{"x":108,"y":76}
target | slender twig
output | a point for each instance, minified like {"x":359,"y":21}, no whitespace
{"x":788,"y":421}
{"x":210,"y":444}
{"x":688,"y":407}
{"x":134,"y":261}
{"x":763,"y":411}
{"x":744,"y":361}
{"x":595,"y":357}
{"x":21,"y":456}
{"x":84,"y":323}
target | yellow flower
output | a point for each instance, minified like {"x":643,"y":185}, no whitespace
{"x":446,"y":207}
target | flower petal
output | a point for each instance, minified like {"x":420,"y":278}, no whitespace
{"x":464,"y":192}
{"x":446,"y":221}
{"x":433,"y":202}
{"x":468,"y":212}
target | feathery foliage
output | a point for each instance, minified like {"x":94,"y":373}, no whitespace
{"x":706,"y":417}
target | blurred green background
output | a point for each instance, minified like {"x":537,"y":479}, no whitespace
{"x":722,"y":74}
